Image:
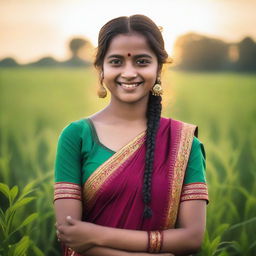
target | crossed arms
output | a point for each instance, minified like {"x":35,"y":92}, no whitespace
{"x":95,"y":240}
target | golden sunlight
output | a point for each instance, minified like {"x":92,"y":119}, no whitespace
{"x":45,"y":29}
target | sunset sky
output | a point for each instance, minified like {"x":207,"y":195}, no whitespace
{"x":30,"y":29}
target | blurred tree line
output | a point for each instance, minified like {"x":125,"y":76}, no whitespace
{"x":191,"y":52}
{"x":81,"y":51}
{"x":198,"y":52}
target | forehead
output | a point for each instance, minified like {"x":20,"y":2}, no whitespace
{"x":132,"y":43}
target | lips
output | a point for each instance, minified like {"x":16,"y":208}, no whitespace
{"x":129,"y":85}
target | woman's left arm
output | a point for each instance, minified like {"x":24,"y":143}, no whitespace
{"x":186,"y":238}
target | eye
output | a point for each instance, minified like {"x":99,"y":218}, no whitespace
{"x":143,"y":62}
{"x":115,"y":62}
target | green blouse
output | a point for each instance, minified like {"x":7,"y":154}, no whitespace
{"x":80,"y":153}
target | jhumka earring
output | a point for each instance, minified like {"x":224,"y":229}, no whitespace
{"x":157,"y":89}
{"x":102,"y":92}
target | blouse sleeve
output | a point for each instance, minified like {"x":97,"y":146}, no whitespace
{"x":68,"y":164}
{"x":194,"y":186}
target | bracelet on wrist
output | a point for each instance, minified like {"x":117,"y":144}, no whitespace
{"x":155,"y":241}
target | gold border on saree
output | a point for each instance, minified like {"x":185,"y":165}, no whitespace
{"x":186,"y":139}
{"x":103,"y":172}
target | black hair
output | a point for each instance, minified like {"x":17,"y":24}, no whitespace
{"x":145,"y":26}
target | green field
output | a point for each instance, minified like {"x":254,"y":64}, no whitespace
{"x":35,"y":104}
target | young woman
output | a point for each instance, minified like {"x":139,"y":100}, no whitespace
{"x":128,"y":181}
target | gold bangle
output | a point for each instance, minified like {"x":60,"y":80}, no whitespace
{"x":155,"y":240}
{"x":158,"y":243}
{"x":152,"y":241}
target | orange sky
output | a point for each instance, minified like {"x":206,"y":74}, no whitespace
{"x":30,"y":29}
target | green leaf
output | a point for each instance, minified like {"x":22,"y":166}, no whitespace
{"x":5,"y":190}
{"x":223,"y":246}
{"x":28,"y":189}
{"x":18,"y":204}
{"x":22,"y":202}
{"x":221,"y":229}
{"x":9,"y":219}
{"x":214,"y":244}
{"x":206,"y":244}
{"x":22,"y":246}
{"x":28,"y":220}
{"x":37,"y":251}
{"x":2,"y":222}
{"x":244,"y":240}
{"x":252,"y":245}
{"x":1,"y":214}
{"x":242,"y":223}
{"x":11,"y":248}
{"x":13,"y":193}
{"x":237,"y":246}
{"x":224,"y":254}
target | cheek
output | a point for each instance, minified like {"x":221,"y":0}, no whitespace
{"x":109,"y":71}
{"x":151,"y":74}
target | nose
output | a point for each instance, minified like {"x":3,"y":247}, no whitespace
{"x":129,"y":72}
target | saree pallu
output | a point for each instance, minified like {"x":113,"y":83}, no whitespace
{"x":112,"y":195}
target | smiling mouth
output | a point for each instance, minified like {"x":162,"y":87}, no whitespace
{"x":129,"y":85}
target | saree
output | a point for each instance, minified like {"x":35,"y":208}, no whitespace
{"x":112,"y":195}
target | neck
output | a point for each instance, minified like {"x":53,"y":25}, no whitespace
{"x":129,"y":112}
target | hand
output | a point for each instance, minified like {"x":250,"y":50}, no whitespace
{"x":76,"y":234}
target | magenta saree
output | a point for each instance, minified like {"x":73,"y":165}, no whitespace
{"x":112,"y":196}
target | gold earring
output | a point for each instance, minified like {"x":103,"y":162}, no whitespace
{"x":157,"y":89}
{"x":102,"y":92}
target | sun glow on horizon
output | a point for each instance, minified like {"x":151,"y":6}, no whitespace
{"x":175,"y":23}
{"x":31,"y":30}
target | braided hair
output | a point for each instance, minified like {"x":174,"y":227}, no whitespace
{"x":153,"y":118}
{"x":146,"y":27}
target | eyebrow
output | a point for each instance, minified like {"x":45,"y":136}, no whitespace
{"x":134,"y":56}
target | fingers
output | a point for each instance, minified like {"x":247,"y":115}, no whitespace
{"x":70,"y":220}
{"x":64,"y":239}
{"x":57,"y":225}
{"x":60,"y":230}
{"x":58,"y":235}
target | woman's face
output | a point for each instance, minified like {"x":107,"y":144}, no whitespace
{"x":130,"y":68}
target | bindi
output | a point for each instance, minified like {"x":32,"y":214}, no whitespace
{"x":129,"y":55}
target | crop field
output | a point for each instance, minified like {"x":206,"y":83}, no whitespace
{"x":35,"y":105}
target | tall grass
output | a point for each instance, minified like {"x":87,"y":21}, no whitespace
{"x":223,"y":106}
{"x":37,"y":103}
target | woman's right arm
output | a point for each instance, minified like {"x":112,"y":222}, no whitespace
{"x":67,"y":207}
